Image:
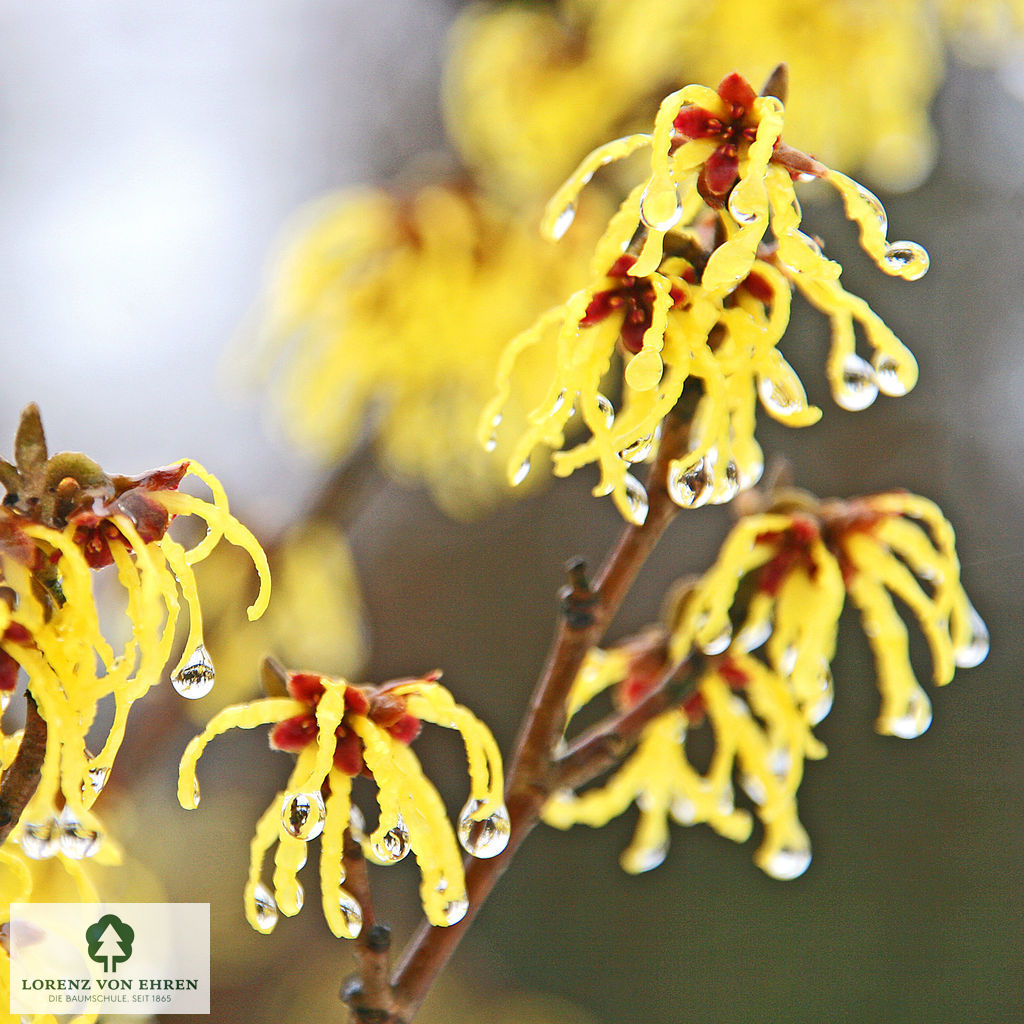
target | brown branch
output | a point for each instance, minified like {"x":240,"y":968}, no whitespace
{"x":21,"y":780}
{"x":532,"y":776}
{"x":368,"y":993}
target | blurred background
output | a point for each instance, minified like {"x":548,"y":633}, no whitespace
{"x":151,"y":155}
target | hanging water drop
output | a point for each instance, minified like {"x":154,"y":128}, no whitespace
{"x":351,"y":912}
{"x":778,"y":399}
{"x":638,"y":450}
{"x":683,"y":810}
{"x":636,"y":499}
{"x":76,"y":840}
{"x":563,"y":221}
{"x":690,"y":488}
{"x":787,"y":862}
{"x":455,"y":911}
{"x":754,"y":634}
{"x":196,"y":677}
{"x":912,"y":721}
{"x":887,"y":375}
{"x":98,"y":776}
{"x":356,"y":825}
{"x":40,"y":840}
{"x":521,"y":473}
{"x":720,"y":643}
{"x":907,"y":260}
{"x":302,"y":815}
{"x":637,"y":861}
{"x":486,"y":837}
{"x":659,"y":207}
{"x":818,"y":708}
{"x":975,"y":650}
{"x":393,"y":845}
{"x":859,"y":387}
{"x":754,"y":788}
{"x":739,"y":215}
{"x":491,"y":443}
{"x":606,"y":409}
{"x":266,"y":909}
{"x":730,"y":485}
{"x":5,"y":700}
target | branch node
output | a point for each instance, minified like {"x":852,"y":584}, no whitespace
{"x":577,"y":600}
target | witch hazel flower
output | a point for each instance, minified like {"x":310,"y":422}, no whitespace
{"x":63,"y":519}
{"x":340,"y":731}
{"x":690,"y":288}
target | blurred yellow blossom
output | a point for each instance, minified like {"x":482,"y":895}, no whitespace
{"x":63,"y":518}
{"x":385,"y":316}
{"x":779,"y":585}
{"x":691,"y":281}
{"x":529,"y":90}
{"x":340,"y":731}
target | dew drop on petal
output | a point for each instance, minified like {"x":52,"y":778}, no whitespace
{"x":912,"y":722}
{"x":787,"y":862}
{"x":690,"y":488}
{"x":356,"y":824}
{"x":876,"y":207}
{"x":491,"y":443}
{"x":754,"y":634}
{"x":394,"y":844}
{"x":730,"y":485}
{"x":754,"y":788}
{"x":906,"y":259}
{"x":76,"y":840}
{"x":606,"y":409}
{"x":563,"y":221}
{"x":887,"y":375}
{"x":98,"y":776}
{"x":636,"y":862}
{"x":351,"y":912}
{"x":300,"y":896}
{"x":777,"y":398}
{"x":639,"y":450}
{"x":486,"y":837}
{"x":975,"y":650}
{"x":636,"y":498}
{"x":196,"y":677}
{"x":660,"y":208}
{"x":266,"y":909}
{"x":5,"y":700}
{"x":455,"y":911}
{"x":720,"y":643}
{"x":521,"y":473}
{"x":819,"y":707}
{"x":39,"y":840}
{"x":859,"y":387}
{"x":302,"y":815}
{"x":683,"y":810}
{"x":739,"y":215}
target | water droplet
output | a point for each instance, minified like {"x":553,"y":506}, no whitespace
{"x":196,"y":677}
{"x":787,"y":661}
{"x":690,"y":488}
{"x":563,"y":221}
{"x":638,"y":450}
{"x":491,"y":443}
{"x":636,"y":498}
{"x":659,"y":207}
{"x":780,"y":760}
{"x":912,"y":722}
{"x":646,"y":859}
{"x":606,"y":408}
{"x":394,"y":845}
{"x":98,"y":776}
{"x":455,"y":911}
{"x":351,"y":912}
{"x":195,"y":794}
{"x":754,"y":788}
{"x":859,"y":387}
{"x":787,"y":862}
{"x":907,"y":260}
{"x":818,"y":709}
{"x":521,"y":473}
{"x":719,"y":643}
{"x":753,"y":634}
{"x":739,"y":215}
{"x":876,"y":207}
{"x":683,"y":810}
{"x":730,"y":485}
{"x":975,"y":650}
{"x":726,"y":800}
{"x":39,"y":840}
{"x":300,"y":896}
{"x":887,"y":375}
{"x":356,"y":824}
{"x":5,"y":700}
{"x":266,"y":908}
{"x":76,"y":840}
{"x":302,"y":815}
{"x":487,"y":837}
{"x":777,"y":398}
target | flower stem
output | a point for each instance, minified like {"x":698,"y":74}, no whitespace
{"x":533,"y":774}
{"x":21,"y":780}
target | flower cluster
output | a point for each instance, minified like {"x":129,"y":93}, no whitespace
{"x":63,"y":518}
{"x":531,"y":88}
{"x":778,"y":588}
{"x":340,"y":731}
{"x":689,"y":286}
{"x":388,"y":313}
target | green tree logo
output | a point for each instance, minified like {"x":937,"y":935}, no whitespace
{"x":110,"y":942}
